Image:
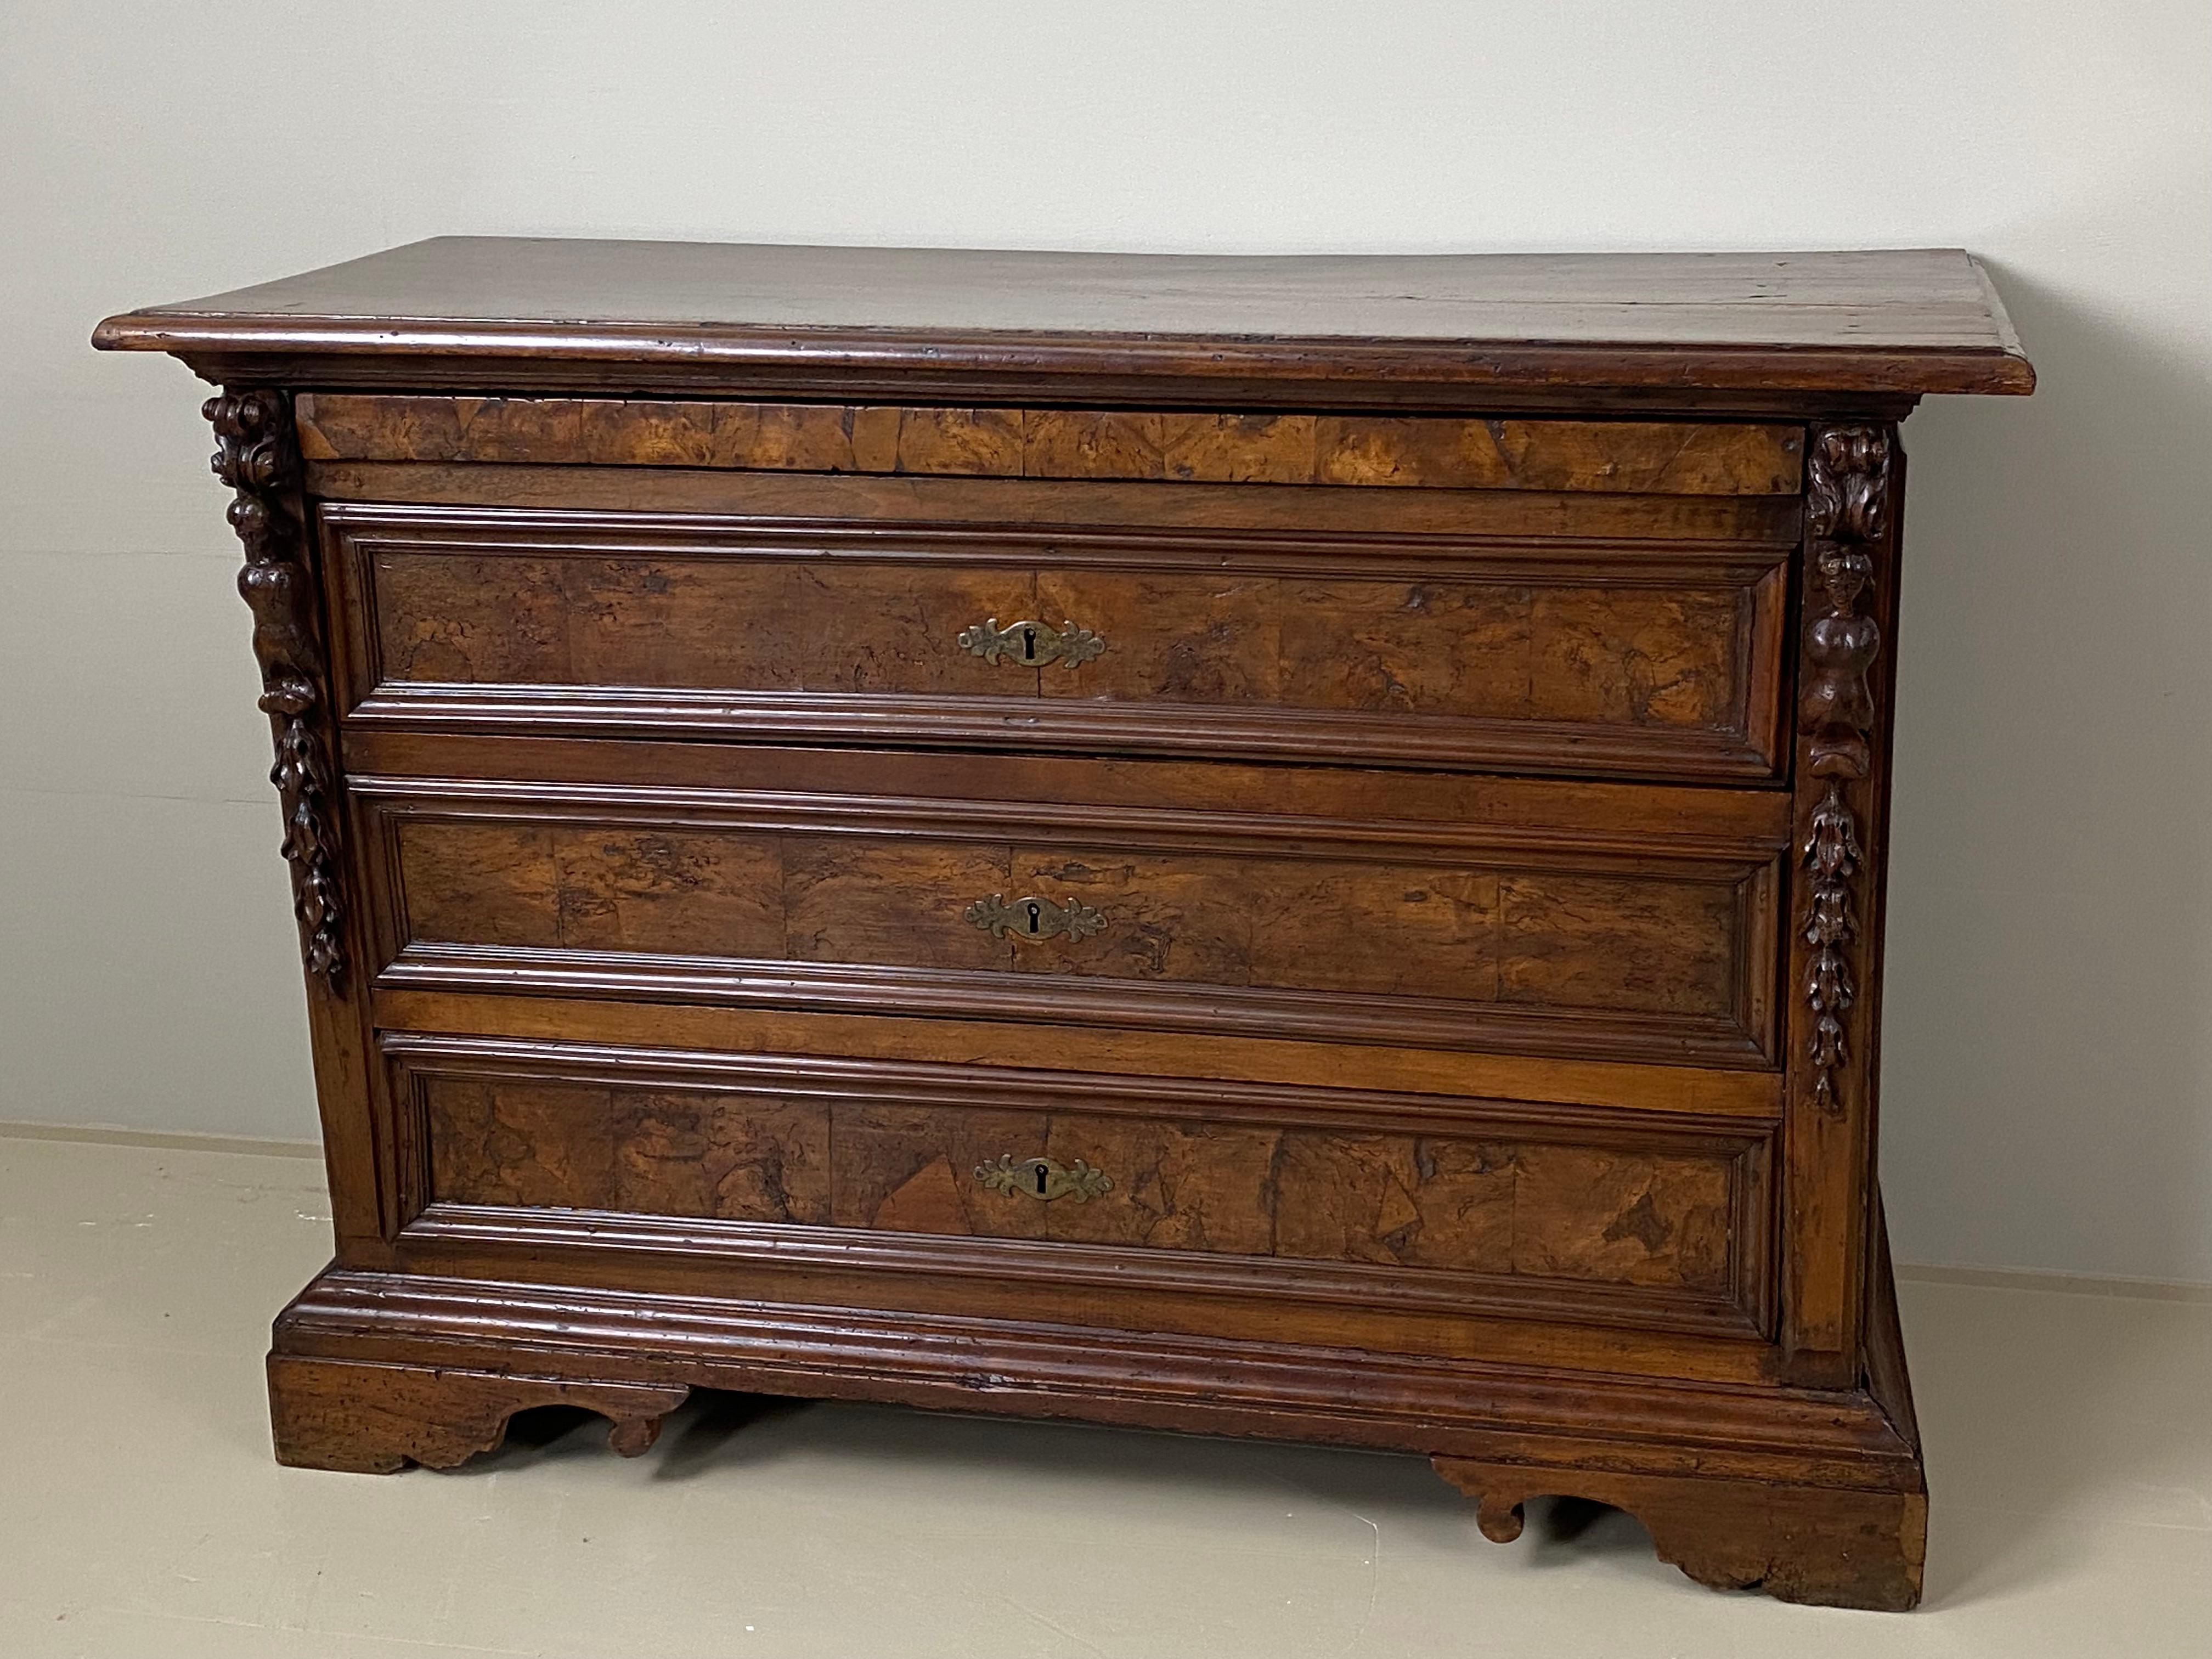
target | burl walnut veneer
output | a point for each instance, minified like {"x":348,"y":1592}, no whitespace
{"x":1271,"y":846}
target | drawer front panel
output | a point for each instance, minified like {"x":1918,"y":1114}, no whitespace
{"x":1229,"y":923}
{"x":1565,"y":654}
{"x":1430,"y":645}
{"x":1483,"y":1196}
{"x":1540,"y":938}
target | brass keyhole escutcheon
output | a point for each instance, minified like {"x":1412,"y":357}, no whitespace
{"x":1031,"y":644}
{"x":1044,"y":1179}
{"x":1030,"y":919}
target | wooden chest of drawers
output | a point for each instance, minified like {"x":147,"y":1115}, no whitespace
{"x":1287,"y":848}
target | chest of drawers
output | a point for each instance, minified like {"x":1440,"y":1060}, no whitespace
{"x":1271,"y":846}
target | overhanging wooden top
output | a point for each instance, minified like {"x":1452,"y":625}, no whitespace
{"x":516,"y":312}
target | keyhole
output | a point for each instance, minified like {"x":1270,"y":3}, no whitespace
{"x":1029,"y":645}
{"x":1036,"y":918}
{"x":1040,"y":1175}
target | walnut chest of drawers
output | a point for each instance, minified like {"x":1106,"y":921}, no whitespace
{"x":1271,"y":846}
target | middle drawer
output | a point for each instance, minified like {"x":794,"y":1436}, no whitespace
{"x":1511,"y":915}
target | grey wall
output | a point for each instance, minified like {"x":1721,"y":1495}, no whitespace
{"x":2049,"y":1059}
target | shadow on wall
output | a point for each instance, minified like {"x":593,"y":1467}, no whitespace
{"x":2047,"y":1063}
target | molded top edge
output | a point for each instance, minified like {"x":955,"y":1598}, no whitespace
{"x":1901,"y":322}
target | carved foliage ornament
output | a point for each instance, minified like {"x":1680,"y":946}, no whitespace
{"x":1832,"y":855}
{"x":1847,"y":510}
{"x":256,"y":455}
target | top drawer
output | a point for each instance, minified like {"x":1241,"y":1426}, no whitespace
{"x":1528,"y":600}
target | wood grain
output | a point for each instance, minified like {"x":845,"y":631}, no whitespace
{"x":1305,"y":802}
{"x":1610,"y":942}
{"x":655,"y":1151}
{"x":556,"y":1010}
{"x":1432,"y":648}
{"x":474,"y":311}
{"x":1795,"y":1542}
{"x":706,"y":623}
{"x":1139,"y":1123}
{"x":375,"y":1418}
{"x":985,"y":505}
{"x":1560,"y":1211}
{"x":1500,"y":1206}
{"x":1436,"y":664}
{"x":1638,"y":1218}
{"x":501,"y":1142}
{"x":1659,"y":944}
{"x":1705,"y":459}
{"x":1190,"y":1186}
{"x":1389,"y":929}
{"x":1825,"y":1467}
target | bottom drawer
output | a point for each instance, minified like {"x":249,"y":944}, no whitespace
{"x":1326,"y":1193}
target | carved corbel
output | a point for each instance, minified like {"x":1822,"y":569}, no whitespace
{"x":258,"y":456}
{"x":1847,"y":511}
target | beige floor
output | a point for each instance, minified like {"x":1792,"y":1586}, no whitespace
{"x":2070,"y":1438}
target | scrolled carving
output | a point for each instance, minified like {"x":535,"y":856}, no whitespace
{"x":1830,"y":1547}
{"x":377,"y":1418}
{"x":1846,"y":512}
{"x":256,"y":455}
{"x":1846,"y":518}
{"x":254,"y":448}
{"x":1847,"y":489}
